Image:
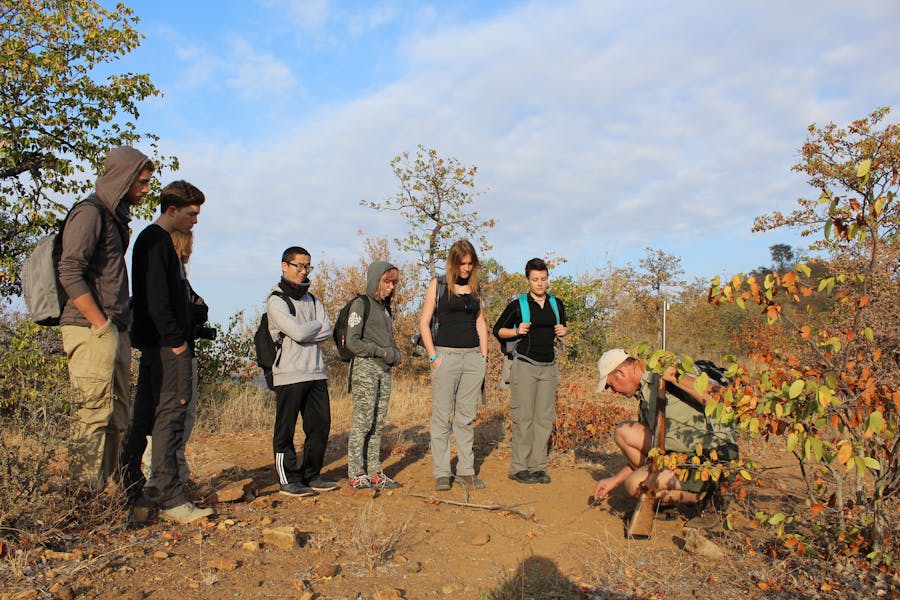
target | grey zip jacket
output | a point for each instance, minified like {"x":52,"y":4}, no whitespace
{"x":301,"y":359}
{"x":94,"y":243}
{"x":376,"y":338}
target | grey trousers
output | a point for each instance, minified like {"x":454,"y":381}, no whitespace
{"x":184,"y":471}
{"x":455,"y":391}
{"x":532,"y":410}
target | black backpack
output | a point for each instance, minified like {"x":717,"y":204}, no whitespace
{"x":268,"y":351}
{"x":341,"y":325}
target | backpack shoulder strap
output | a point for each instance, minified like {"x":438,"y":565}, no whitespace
{"x":524,"y":308}
{"x":441,"y":287}
{"x":287,"y":301}
{"x":366,"y":306}
{"x":554,"y":306}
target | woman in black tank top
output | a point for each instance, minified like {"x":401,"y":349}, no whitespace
{"x":458,"y":353}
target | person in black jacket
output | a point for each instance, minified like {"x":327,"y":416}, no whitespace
{"x":162,"y":329}
{"x":184,"y":246}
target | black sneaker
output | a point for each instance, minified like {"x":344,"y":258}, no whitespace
{"x":296,"y":489}
{"x":540,"y":477}
{"x":323,"y":485}
{"x":522,"y":477}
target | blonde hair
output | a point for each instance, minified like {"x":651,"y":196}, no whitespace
{"x":184,"y":244}
{"x":458,"y":251}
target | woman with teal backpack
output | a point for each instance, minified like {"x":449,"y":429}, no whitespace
{"x":527,"y":330}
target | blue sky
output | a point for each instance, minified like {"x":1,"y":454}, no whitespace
{"x":599,"y":128}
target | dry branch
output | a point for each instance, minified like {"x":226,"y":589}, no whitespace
{"x":525,"y":514}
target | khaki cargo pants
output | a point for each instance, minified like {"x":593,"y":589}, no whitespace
{"x":100,"y":372}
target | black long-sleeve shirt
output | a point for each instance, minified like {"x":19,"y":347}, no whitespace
{"x":161,"y":304}
{"x":537,"y":344}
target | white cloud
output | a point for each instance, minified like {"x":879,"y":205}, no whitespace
{"x":309,"y":15}
{"x":257,"y":76}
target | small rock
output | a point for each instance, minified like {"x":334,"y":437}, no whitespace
{"x":327,"y":571}
{"x":450,"y":588}
{"x":388,"y":594}
{"x":251,"y":546}
{"x":233,"y":492}
{"x":221,"y":564}
{"x":63,"y":555}
{"x":695,"y":543}
{"x":262,"y":502}
{"x":282,"y":537}
{"x":307,"y":596}
{"x":414,"y":567}
{"x":269,"y":489}
{"x":265,"y":521}
{"x":63,"y":592}
{"x":161,"y":555}
{"x":480,"y":539}
{"x":400,"y":559}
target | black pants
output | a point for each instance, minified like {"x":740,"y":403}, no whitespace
{"x":308,"y":399}
{"x":160,"y":406}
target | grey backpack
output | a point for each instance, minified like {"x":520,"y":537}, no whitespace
{"x":44,"y":296}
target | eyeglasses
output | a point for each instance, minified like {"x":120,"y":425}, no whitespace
{"x":302,"y":266}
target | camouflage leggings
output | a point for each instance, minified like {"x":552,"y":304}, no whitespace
{"x":371,"y":386}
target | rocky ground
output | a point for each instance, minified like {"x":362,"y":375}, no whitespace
{"x":408,"y":543}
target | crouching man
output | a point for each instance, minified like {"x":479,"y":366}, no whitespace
{"x":686,"y":426}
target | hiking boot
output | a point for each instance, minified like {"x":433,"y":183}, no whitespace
{"x":383,"y":482}
{"x":185,"y":513}
{"x":522,"y":477}
{"x":360,"y":481}
{"x":323,"y":485}
{"x":296,"y":489}
{"x":442,"y":484}
{"x":540,"y":477}
{"x":470,"y":481}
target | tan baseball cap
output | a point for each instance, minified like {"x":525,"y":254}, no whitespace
{"x":607,"y":364}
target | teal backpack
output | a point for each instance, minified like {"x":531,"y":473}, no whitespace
{"x":509,"y":346}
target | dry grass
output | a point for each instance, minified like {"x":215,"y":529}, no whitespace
{"x":235,"y":408}
{"x":373,"y":537}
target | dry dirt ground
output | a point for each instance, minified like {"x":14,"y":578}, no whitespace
{"x":356,"y":546}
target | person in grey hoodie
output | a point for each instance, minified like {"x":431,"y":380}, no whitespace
{"x":371,"y":340}
{"x":301,"y":384}
{"x":94,"y":321}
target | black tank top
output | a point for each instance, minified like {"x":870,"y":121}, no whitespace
{"x":456,"y":320}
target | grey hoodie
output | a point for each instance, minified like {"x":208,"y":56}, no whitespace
{"x":376,"y":339}
{"x":301,"y":359}
{"x":94,"y":242}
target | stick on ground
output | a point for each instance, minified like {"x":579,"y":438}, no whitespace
{"x":528,"y":515}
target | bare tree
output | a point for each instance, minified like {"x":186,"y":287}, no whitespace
{"x":435,"y":197}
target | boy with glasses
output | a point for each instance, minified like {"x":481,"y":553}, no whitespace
{"x":299,"y":320}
